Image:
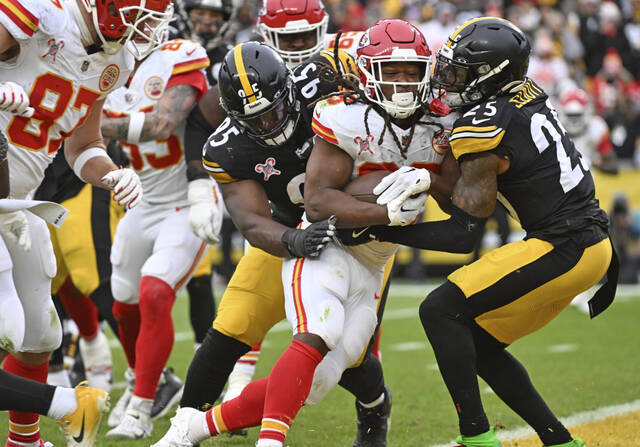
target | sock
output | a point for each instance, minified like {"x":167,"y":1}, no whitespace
{"x":128,"y":318}
{"x":242,"y":372}
{"x":374,"y":403}
{"x":202,"y":307}
{"x":288,"y":388}
{"x":24,"y":427}
{"x":210,"y":368}
{"x":80,"y":308}
{"x":23,"y":394}
{"x":64,"y":402}
{"x":155,"y":339}
{"x":141,"y":404}
{"x":59,"y":378}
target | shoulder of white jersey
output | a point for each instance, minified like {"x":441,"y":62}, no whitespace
{"x":181,"y":54}
{"x":481,"y":128}
{"x":22,"y":18}
{"x":348,"y":41}
{"x":597,"y":127}
{"x":337,"y":122}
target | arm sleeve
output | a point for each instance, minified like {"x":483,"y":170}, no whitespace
{"x":458,"y":234}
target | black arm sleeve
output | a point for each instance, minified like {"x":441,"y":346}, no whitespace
{"x":196,"y":134}
{"x":458,"y":234}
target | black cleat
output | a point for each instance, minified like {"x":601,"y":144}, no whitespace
{"x":169,"y":393}
{"x":373,"y":423}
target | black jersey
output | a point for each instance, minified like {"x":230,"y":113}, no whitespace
{"x":230,"y":155}
{"x":548,"y":186}
{"x":216,"y":56}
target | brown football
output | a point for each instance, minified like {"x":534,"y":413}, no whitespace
{"x":362,"y":186}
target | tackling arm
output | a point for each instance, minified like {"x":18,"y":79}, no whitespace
{"x":442,"y":184}
{"x":474,"y":199}
{"x":171,"y":110}
{"x":328,"y":170}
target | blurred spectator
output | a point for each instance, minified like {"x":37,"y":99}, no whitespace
{"x":526,"y":15}
{"x":438,"y":29}
{"x":625,"y":234}
{"x":546,"y":68}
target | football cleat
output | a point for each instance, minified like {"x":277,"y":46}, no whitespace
{"x":487,"y":439}
{"x":373,"y":423}
{"x":177,"y":435}
{"x":135,"y":424}
{"x":169,"y":393}
{"x":121,"y":406}
{"x":80,"y":428}
{"x":97,"y":361}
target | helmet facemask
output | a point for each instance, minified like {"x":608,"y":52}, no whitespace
{"x":401,"y":104}
{"x":273,"y":36}
{"x":148,"y":31}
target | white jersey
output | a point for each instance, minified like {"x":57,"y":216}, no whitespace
{"x":161,"y":164}
{"x":348,"y":41}
{"x":62,"y":79}
{"x":594,"y":140}
{"x":343,"y":125}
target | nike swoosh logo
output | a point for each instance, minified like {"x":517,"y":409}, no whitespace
{"x":80,"y":437}
{"x":356,"y":234}
{"x":189,"y":53}
{"x":477,"y":121}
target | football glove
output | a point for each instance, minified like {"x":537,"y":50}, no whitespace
{"x":15,"y":228}
{"x":401,"y":184}
{"x":14,"y":99}
{"x":311,"y":240}
{"x":205,"y":214}
{"x":125,"y":184}
{"x":405,"y":211}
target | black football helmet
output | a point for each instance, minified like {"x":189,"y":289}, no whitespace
{"x":484,"y":57}
{"x":257,"y":91}
{"x":211,"y":33}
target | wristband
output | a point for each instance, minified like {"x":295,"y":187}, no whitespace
{"x":136,"y":123}
{"x":85,"y":156}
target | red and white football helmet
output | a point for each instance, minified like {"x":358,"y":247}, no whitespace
{"x":393,"y":40}
{"x":278,"y":17}
{"x":574,"y":110}
{"x":141,"y":25}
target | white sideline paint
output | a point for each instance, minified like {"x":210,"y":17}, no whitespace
{"x":583,"y":417}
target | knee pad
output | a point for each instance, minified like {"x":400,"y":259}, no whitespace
{"x":156,"y":299}
{"x":357,"y":334}
{"x":48,"y":337}
{"x":123,"y":290}
{"x":326,"y":377}
{"x":12,"y":325}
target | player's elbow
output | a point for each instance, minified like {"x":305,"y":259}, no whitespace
{"x":315,"y":209}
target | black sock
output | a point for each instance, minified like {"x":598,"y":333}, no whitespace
{"x":20,"y":394}
{"x":447,"y":323}
{"x":202,"y":307}
{"x":210,"y":369}
{"x":366,"y":381}
{"x":511,"y":383}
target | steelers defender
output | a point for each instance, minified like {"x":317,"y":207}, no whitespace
{"x":511,"y":147}
{"x":258,"y":159}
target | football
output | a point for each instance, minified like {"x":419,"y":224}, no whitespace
{"x":362,"y":186}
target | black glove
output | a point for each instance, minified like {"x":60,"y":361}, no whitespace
{"x":310,"y":241}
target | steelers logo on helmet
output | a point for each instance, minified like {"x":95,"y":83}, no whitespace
{"x":483,"y":58}
{"x":256,"y":90}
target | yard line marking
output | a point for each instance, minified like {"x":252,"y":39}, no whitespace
{"x":408,"y":346}
{"x":580,"y":418}
{"x":559,"y":349}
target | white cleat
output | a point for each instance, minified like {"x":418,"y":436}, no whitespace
{"x":177,"y":435}
{"x":135,"y":425}
{"x":121,"y":406}
{"x":96,"y":356}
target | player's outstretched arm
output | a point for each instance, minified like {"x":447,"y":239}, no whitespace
{"x":328,"y":170}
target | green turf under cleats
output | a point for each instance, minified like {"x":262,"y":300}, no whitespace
{"x":487,"y":439}
{"x":575,"y":443}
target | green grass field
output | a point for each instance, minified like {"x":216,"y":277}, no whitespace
{"x":577,"y":365}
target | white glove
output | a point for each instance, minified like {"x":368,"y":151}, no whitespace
{"x":403,"y":183}
{"x":125,"y":183}
{"x":205,"y":214}
{"x":15,"y":228}
{"x":14,"y":99}
{"x":403,"y":212}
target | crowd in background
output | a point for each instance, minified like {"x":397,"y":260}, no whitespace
{"x":589,"y":44}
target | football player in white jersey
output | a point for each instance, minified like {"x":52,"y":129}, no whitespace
{"x":331,"y":300}
{"x":154,"y":251}
{"x":59,"y":59}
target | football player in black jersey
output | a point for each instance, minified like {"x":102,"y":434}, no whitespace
{"x":259,"y":160}
{"x":512,"y":148}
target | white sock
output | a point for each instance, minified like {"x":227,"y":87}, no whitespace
{"x":375,"y":403}
{"x":59,"y":378}
{"x":237,"y":382}
{"x":141,"y":404}
{"x":64,"y":402}
{"x":198,"y":429}
{"x":268,"y":443}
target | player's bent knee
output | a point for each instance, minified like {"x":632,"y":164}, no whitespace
{"x":156,"y":299}
{"x":356,"y":337}
{"x":48,"y":335}
{"x":325,"y":378}
{"x":445,"y":301}
{"x":123,"y":290}
{"x":12,"y":324}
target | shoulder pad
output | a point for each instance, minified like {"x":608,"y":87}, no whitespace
{"x":184,"y":55}
{"x":481,"y":128}
{"x":22,"y":18}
